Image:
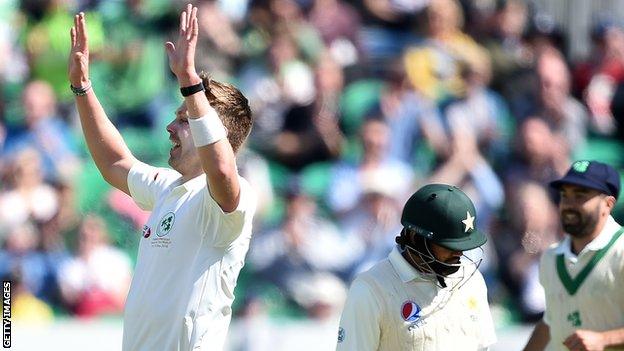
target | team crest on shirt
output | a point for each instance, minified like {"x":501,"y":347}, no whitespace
{"x":166,"y":224}
{"x":147,"y":231}
{"x":410,"y":311}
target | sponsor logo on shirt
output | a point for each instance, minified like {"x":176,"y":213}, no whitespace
{"x":341,"y":335}
{"x":410,"y":311}
{"x":472,"y":305}
{"x":147,"y":231}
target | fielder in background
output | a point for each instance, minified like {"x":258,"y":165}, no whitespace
{"x":195,"y":240}
{"x":583,"y":275}
{"x":426,"y":295}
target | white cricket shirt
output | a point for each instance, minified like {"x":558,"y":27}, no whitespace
{"x":598,"y":302}
{"x":392,"y":307}
{"x":189,"y":258}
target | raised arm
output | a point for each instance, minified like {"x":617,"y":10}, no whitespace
{"x":110,"y":153}
{"x":215,"y":152}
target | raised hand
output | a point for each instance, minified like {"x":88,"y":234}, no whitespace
{"x":182,"y":53}
{"x":78,"y":67}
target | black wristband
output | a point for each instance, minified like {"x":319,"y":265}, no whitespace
{"x":188,"y":91}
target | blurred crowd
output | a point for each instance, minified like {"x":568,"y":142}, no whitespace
{"x":357,"y":104}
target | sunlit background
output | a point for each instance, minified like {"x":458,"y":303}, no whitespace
{"x":357,"y":104}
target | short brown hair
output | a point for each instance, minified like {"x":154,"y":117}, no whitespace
{"x":232,"y":107}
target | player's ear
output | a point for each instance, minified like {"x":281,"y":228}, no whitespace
{"x":610,"y":200}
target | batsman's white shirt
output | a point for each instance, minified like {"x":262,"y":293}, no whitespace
{"x":598,"y":302}
{"x":189,"y":258}
{"x":392,"y":307}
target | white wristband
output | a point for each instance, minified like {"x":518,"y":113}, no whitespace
{"x":207,"y":129}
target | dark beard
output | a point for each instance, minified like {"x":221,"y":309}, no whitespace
{"x":582,"y":227}
{"x":420,"y":247}
{"x":442,"y":269}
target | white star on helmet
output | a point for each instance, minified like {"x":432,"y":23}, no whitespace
{"x":469,"y":222}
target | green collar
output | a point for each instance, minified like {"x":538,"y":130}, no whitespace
{"x":572,"y":285}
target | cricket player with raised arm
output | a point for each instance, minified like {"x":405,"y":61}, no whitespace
{"x":583,"y":275}
{"x":427,"y":295}
{"x":194,"y":243}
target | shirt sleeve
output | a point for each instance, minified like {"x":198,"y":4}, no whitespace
{"x":543,"y":281}
{"x":488,"y":332}
{"x":360,"y":321}
{"x":231,"y":224}
{"x":146,"y":183}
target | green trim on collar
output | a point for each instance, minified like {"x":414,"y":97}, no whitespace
{"x":572,"y":285}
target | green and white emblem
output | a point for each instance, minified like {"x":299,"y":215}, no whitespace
{"x":580,"y":166}
{"x":575,"y":319}
{"x":166,"y":223}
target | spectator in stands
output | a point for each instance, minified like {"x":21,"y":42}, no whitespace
{"x":97,"y":279}
{"x":45,"y":43}
{"x":45,"y":132}
{"x":27,"y":196}
{"x":435,"y":67}
{"x":303,"y":245}
{"x":386,"y":31}
{"x":348,"y":177}
{"x":255,"y":169}
{"x":564,"y":114}
{"x":532,"y":225}
{"x":135,"y":59}
{"x":414,"y":121}
{"x":25,"y":306}
{"x":338,"y":23}
{"x":286,"y":81}
{"x":374,"y":221}
{"x":467,"y":168}
{"x":600,"y":78}
{"x":13,"y":63}
{"x":481,"y":112}
{"x":509,"y":53}
{"x":218,"y":37}
{"x":539,"y":155}
{"x":20,"y":254}
{"x":310,"y":131}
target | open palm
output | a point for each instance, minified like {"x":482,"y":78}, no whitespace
{"x":182,"y":53}
{"x":78,"y":67}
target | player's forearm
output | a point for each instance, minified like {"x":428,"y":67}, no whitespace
{"x":217,"y":159}
{"x":539,"y":338}
{"x":614,"y":337}
{"x":105,"y":144}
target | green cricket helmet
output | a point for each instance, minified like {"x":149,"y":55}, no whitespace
{"x":444,"y":215}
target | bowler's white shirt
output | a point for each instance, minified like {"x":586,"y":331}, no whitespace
{"x":189,"y":258}
{"x":598,"y":304}
{"x":372,"y":318}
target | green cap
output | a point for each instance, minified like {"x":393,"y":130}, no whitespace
{"x":445,"y":215}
